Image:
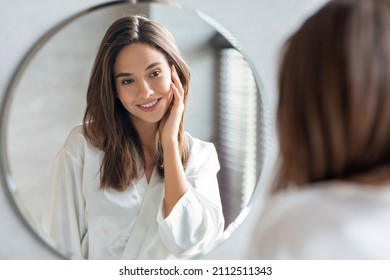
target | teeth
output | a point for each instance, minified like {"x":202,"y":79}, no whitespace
{"x":149,"y":104}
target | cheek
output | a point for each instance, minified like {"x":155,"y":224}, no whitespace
{"x":125,"y":96}
{"x":122,"y":96}
{"x":164,"y":85}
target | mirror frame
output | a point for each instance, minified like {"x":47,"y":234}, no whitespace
{"x":6,"y":177}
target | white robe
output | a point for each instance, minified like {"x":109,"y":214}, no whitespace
{"x":329,"y":220}
{"x":87,"y":222}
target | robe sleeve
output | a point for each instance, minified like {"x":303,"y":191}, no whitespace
{"x":64,"y":217}
{"x":197,"y":220}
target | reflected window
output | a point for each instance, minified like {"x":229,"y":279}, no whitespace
{"x":238,"y":133}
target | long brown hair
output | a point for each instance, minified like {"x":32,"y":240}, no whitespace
{"x":107,"y":124}
{"x":334,"y":82}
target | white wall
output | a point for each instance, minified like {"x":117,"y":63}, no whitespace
{"x":259,"y":25}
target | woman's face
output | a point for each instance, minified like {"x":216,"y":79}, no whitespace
{"x":143,"y":82}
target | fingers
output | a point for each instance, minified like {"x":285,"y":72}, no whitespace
{"x":176,"y":92}
{"x":176,"y":80}
{"x":170,"y":123}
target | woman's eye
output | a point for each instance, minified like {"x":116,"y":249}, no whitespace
{"x":155,"y":73}
{"x":127,"y":81}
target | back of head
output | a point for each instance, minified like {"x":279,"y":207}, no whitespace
{"x":334,"y":83}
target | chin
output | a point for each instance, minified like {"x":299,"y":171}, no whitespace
{"x":152,"y":120}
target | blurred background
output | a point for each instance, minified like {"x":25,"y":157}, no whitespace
{"x":232,"y":48}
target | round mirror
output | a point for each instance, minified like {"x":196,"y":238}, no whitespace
{"x":46,"y":99}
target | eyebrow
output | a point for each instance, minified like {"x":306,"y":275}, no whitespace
{"x":130,"y":74}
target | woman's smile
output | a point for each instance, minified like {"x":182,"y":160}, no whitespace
{"x":150,"y":106}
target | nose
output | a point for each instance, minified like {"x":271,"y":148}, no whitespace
{"x":145,"y":90}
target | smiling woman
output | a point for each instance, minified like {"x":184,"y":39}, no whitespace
{"x":167,"y":169}
{"x":130,"y":184}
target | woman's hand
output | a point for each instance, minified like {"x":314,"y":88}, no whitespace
{"x":175,"y":182}
{"x":169,"y":124}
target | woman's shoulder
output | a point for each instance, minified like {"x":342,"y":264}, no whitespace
{"x":201,"y":153}
{"x":309,"y":222}
{"x":76,"y":142}
{"x":75,"y":136}
{"x":324,"y":195}
{"x":330,"y":200}
{"x":196,"y":145}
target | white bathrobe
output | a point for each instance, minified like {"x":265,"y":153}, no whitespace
{"x":87,"y":222}
{"x":328,"y":220}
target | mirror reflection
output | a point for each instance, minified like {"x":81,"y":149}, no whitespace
{"x":49,"y":99}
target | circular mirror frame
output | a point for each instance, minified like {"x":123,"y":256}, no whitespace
{"x":5,"y":171}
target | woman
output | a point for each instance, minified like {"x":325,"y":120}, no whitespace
{"x":331,"y":199}
{"x":130,"y":183}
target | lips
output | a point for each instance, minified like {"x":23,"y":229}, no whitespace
{"x":149,"y":106}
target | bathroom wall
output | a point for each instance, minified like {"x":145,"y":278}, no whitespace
{"x":259,"y":25}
